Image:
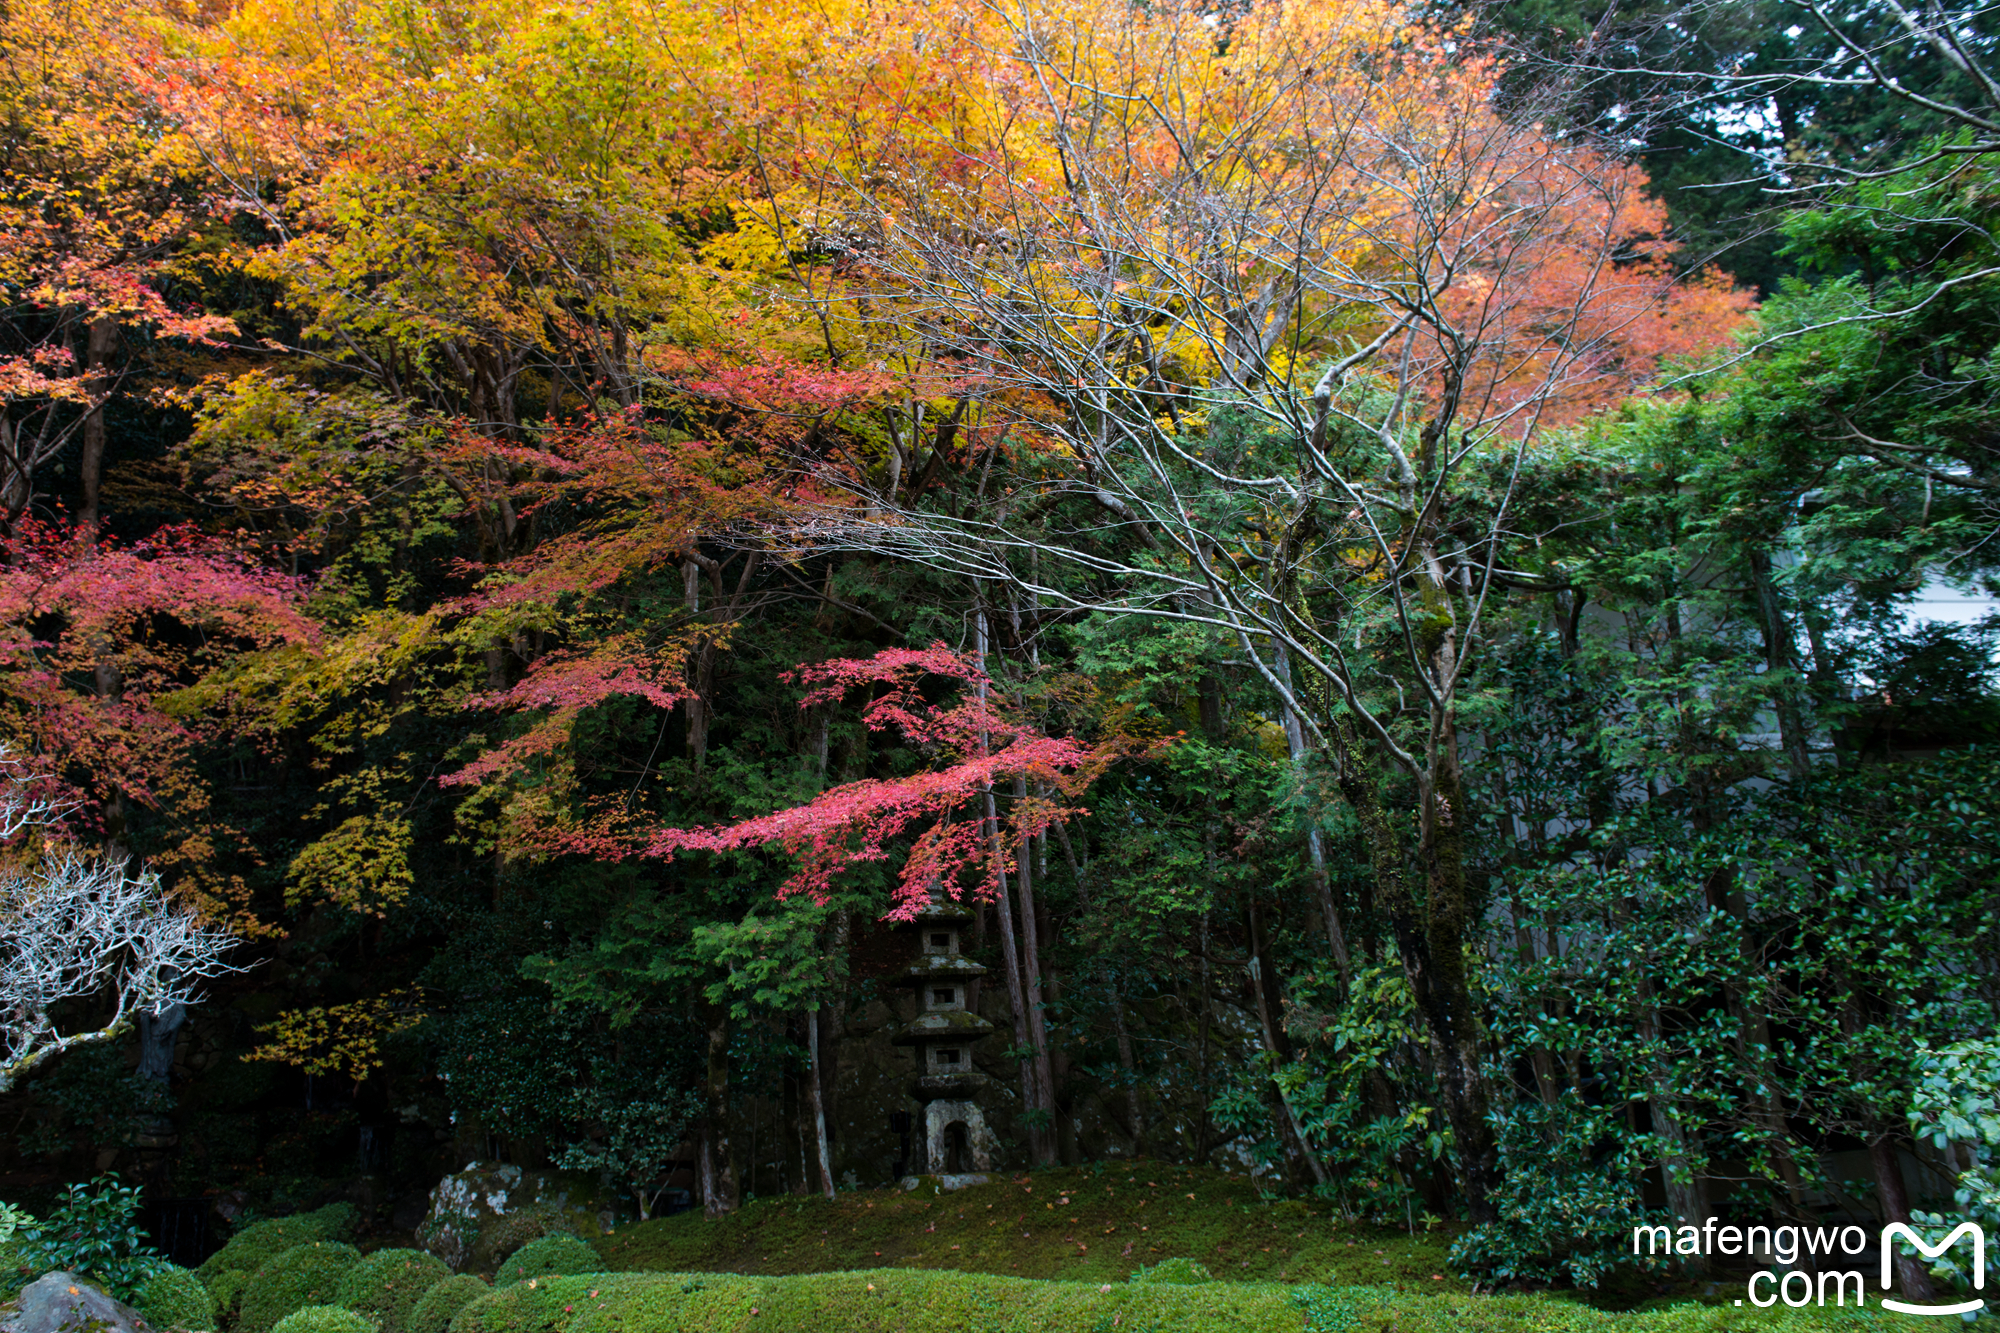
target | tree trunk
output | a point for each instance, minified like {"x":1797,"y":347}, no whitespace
{"x":158,"y":1034}
{"x":700,"y":668}
{"x":1017,"y":999}
{"x":1911,"y":1275}
{"x":1303,"y":1165}
{"x":717,"y":1170}
{"x":1039,"y":1115}
{"x":1679,"y":1171}
{"x":1134,"y":1122}
{"x":814,"y":1104}
{"x":1038,"y":1032}
{"x":1295,"y":745}
{"x":1432,"y":948}
{"x":101,"y":337}
{"x":1780,"y":657}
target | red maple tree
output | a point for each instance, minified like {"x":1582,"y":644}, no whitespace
{"x":975,"y":738}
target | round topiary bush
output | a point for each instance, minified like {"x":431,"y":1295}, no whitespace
{"x":385,"y":1285}
{"x":176,"y":1298}
{"x":227,"y":1289}
{"x":551,"y":1256}
{"x":304,"y":1275}
{"x":333,"y":1222}
{"x":434,"y":1309}
{"x":1172,"y":1273}
{"x":324,"y":1319}
{"x":259,"y":1243}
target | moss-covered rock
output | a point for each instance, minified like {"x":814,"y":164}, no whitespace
{"x":484,"y":1213}
{"x":436,"y":1308}
{"x":510,"y":1231}
{"x":551,"y":1256}
{"x":308,"y":1274}
{"x":175,"y":1298}
{"x":324,"y":1319}
{"x":385,"y":1286}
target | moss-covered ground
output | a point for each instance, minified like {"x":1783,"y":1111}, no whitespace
{"x":1086,"y":1224}
{"x":901,"y":1301}
{"x":1052,"y":1252}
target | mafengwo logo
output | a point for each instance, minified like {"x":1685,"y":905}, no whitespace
{"x":1895,"y":1229}
{"x":1797,"y":1287}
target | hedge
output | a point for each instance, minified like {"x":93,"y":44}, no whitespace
{"x":260,"y":1242}
{"x":434,"y":1310}
{"x":386,"y":1285}
{"x":324,"y":1319}
{"x":305,"y":1275}
{"x":551,"y":1256}
{"x":176,"y":1298}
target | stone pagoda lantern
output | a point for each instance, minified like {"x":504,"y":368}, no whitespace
{"x":957,"y":1144}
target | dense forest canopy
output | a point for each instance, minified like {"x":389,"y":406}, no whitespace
{"x":563,"y":526}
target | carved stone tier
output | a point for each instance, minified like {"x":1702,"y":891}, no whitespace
{"x":956,"y":1138}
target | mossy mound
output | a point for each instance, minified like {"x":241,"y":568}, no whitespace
{"x":500,"y":1238}
{"x":227,"y":1289}
{"x":1081,"y":1224}
{"x":386,"y":1285}
{"x":551,"y":1256}
{"x":176,"y":1298}
{"x":336,"y":1221}
{"x":324,"y":1319}
{"x":308,"y":1274}
{"x":1173,"y":1273}
{"x":260,"y":1242}
{"x":897,"y":1301}
{"x":435,"y":1309}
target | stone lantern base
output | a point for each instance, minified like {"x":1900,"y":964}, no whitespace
{"x":978,"y":1148}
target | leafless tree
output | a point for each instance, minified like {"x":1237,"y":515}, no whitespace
{"x":83,"y":937}
{"x":1380,"y":280}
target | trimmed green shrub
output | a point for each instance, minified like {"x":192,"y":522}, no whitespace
{"x":551,"y":1256}
{"x":308,"y":1274}
{"x":227,"y":1289}
{"x":324,"y":1319}
{"x":434,"y":1310}
{"x":175,"y":1298}
{"x":1172,"y":1273}
{"x":550,"y":1304}
{"x":385,"y":1285}
{"x":259,"y":1243}
{"x":333,"y":1222}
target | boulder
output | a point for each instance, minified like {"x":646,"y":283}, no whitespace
{"x":484,"y":1213}
{"x":65,"y":1303}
